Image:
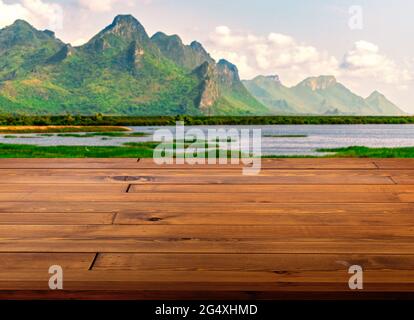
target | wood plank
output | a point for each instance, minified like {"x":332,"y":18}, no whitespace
{"x":403,"y":178}
{"x":250,"y":262}
{"x":394,"y":163}
{"x":61,"y":163}
{"x":145,"y":176}
{"x":255,"y":218}
{"x":258,"y":188}
{"x":56,"y":218}
{"x":239,"y":208}
{"x":203,"y":232}
{"x":283,"y":197}
{"x":188,"y":171}
{"x":276,"y":164}
{"x":406,"y":197}
{"x":227,"y":246}
{"x":62,"y":188}
{"x":10,"y":262}
{"x":197,"y":188}
{"x":308,"y":281}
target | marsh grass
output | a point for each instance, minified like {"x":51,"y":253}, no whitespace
{"x":60,"y":129}
{"x":365,"y":152}
{"x":104,"y":134}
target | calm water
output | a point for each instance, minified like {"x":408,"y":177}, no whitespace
{"x":317,"y":137}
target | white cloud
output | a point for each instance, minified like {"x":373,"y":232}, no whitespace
{"x":365,"y":60}
{"x":41,"y":14}
{"x":281,"y":54}
{"x":109,"y":5}
{"x":98,"y":5}
{"x":274,"y":53}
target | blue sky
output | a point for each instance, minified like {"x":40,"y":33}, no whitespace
{"x":294,"y":39}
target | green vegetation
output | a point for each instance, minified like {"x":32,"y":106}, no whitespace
{"x":104,"y":134}
{"x":142,"y":150}
{"x":120,"y":71}
{"x":47,"y":131}
{"x":145,"y":150}
{"x":128,"y":150}
{"x":100,"y":123}
{"x":364,"y":152}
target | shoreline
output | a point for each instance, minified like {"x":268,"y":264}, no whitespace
{"x":132,"y":121}
{"x":18,"y":129}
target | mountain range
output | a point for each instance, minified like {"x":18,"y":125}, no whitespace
{"x":124,"y":71}
{"x":322,"y":95}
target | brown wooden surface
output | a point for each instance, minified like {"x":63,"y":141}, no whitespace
{"x":127,"y":228}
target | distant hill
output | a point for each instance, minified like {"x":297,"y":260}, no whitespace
{"x":120,"y":71}
{"x":317,"y":95}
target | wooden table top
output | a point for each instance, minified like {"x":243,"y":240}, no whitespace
{"x":129,"y":229}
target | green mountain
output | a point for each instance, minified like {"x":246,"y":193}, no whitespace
{"x":380,"y":102}
{"x":317,"y":95}
{"x":120,"y":71}
{"x":22,"y":48}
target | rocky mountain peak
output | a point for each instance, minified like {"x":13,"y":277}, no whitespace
{"x":19,"y":23}
{"x":274,"y":78}
{"x":125,"y":27}
{"x":209,"y":91}
{"x":197,"y":46}
{"x":23,"y":34}
{"x":228,"y":73}
{"x":376,"y":95}
{"x":126,"y":20}
{"x":320,"y":83}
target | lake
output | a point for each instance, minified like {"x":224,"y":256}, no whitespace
{"x":313,"y":137}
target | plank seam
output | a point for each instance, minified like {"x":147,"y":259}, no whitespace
{"x":114,"y":216}
{"x":93,"y":261}
{"x":392,"y":179}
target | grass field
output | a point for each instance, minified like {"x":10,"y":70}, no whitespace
{"x":61,"y":129}
{"x":145,"y":150}
{"x":141,"y":150}
{"x":364,"y":152}
{"x":104,"y":134}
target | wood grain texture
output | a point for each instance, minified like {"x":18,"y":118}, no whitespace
{"x":56,"y":218}
{"x":200,"y":176}
{"x":260,"y":188}
{"x":250,"y":262}
{"x":293,"y":164}
{"x":43,"y":261}
{"x":245,"y":197}
{"x":255,"y":218}
{"x":126,"y":228}
{"x":194,"y":208}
